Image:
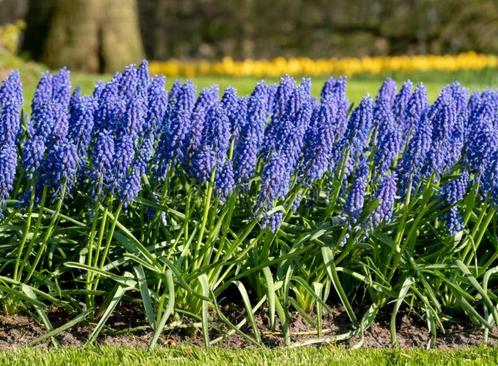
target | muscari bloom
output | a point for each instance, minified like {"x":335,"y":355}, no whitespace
{"x":217,"y":132}
{"x":214,"y":145}
{"x":354,"y":141}
{"x":453,"y":220}
{"x":98,"y":89}
{"x":414,"y":108}
{"x":385,"y":97}
{"x":102,"y":160}
{"x":127,"y":82}
{"x":240,"y":119}
{"x":8,"y":164}
{"x":334,"y":92}
{"x":401,"y":102}
{"x":275,"y":179}
{"x":442,"y":115}
{"x":230,"y":104}
{"x":455,"y":190}
{"x":282,"y":126}
{"x":11,"y":100}
{"x":207,"y":98}
{"x":203,"y":163}
{"x":294,"y":143}
{"x":389,"y":140}
{"x":60,"y":167}
{"x":460,"y":96}
{"x":157,"y":103}
{"x":360,"y":124}
{"x":110,"y":107}
{"x":174,"y":91}
{"x":319,"y":142}
{"x":32,"y":154}
{"x":143,"y":75}
{"x":266,"y":94}
{"x":274,"y":186}
{"x":130,"y":187}
{"x":251,"y":137}
{"x":172,"y":143}
{"x":356,"y":198}
{"x":126,"y":132}
{"x":43,"y":93}
{"x":489,"y":178}
{"x":327,"y":88}
{"x":282,"y":93}
{"x":61,"y":87}
{"x":386,"y":194}
{"x":81,"y":122}
{"x":481,"y":143}
{"x":410,"y":167}
{"x":305,"y":86}
{"x":339,"y":93}
{"x":225,"y":181}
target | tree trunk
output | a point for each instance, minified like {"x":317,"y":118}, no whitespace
{"x":93,"y":35}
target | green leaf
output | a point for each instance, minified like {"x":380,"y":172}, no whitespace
{"x":203,"y":279}
{"x":39,"y":309}
{"x":331,"y":270}
{"x":480,"y":290}
{"x":270,"y":292}
{"x":62,"y":328}
{"x":405,"y":287}
{"x":249,"y":310}
{"x":114,"y":301}
{"x":144,"y":292}
{"x":167,"y":313}
{"x":125,"y":281}
{"x":232,"y":326}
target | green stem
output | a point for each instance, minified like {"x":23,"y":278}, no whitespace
{"x":187,"y":213}
{"x":102,"y":228}
{"x":91,"y":241}
{"x":35,"y":233}
{"x":482,"y":230}
{"x":331,"y":207}
{"x":396,"y":250}
{"x":108,"y":241}
{"x":48,"y":233}
{"x":26,"y":231}
{"x":205,"y":217}
{"x":110,"y":236}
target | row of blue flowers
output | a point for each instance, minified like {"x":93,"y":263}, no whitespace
{"x":201,"y":191}
{"x":132,"y":127}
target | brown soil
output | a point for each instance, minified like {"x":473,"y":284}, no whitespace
{"x":128,"y":328}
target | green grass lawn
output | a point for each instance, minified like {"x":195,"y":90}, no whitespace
{"x":359,"y":85}
{"x":106,"y":355}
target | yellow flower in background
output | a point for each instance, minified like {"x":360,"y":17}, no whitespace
{"x":333,"y":66}
{"x":10,"y":35}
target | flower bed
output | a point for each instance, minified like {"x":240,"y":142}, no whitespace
{"x":333,"y":66}
{"x":279,"y":201}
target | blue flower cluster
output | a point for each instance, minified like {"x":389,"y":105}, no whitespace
{"x":279,"y":142}
{"x":11,"y":101}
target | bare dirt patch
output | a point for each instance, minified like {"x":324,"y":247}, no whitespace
{"x":127,"y":327}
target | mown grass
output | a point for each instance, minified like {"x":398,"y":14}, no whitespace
{"x":106,"y":355}
{"x":359,"y":85}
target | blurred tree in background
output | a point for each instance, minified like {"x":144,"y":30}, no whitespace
{"x":90,"y":35}
{"x":106,"y":34}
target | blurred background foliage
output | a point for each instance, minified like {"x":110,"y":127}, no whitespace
{"x":104,"y":35}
